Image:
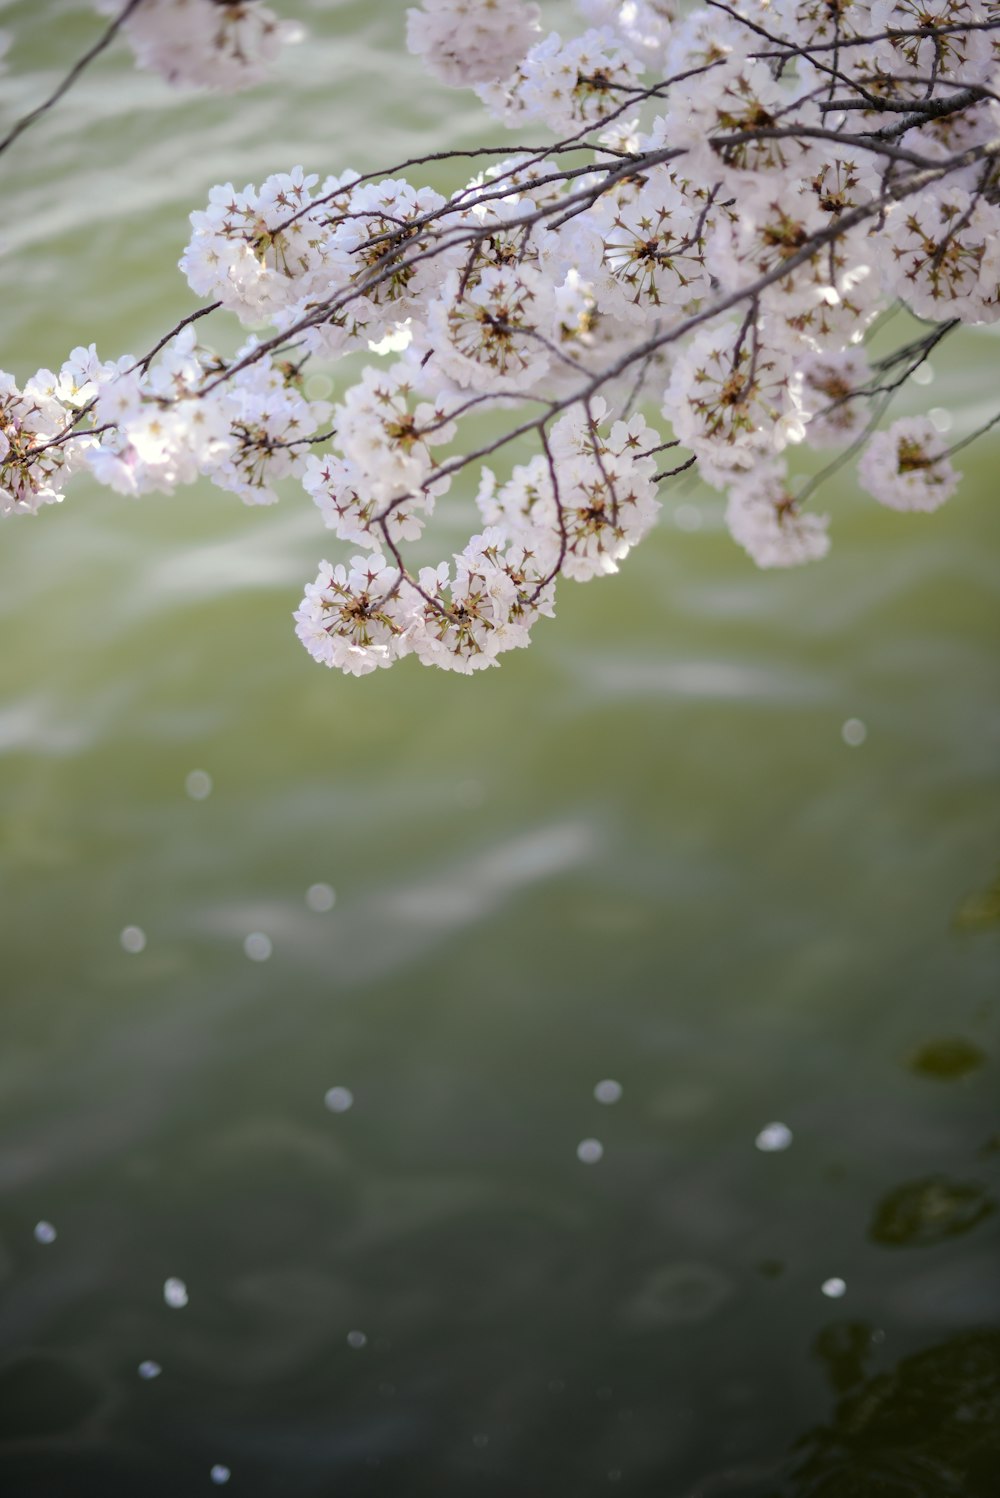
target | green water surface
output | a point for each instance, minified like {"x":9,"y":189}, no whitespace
{"x":640,"y":851}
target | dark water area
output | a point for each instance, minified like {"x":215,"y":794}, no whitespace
{"x":728,"y":840}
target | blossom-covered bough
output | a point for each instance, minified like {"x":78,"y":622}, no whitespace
{"x":733,"y":199}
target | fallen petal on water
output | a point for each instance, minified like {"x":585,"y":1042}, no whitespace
{"x":772,"y":1137}
{"x":175,"y":1293}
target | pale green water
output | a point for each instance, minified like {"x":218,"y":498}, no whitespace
{"x":641,"y":850}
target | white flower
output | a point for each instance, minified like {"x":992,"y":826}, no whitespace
{"x":522,"y":176}
{"x":764,"y":519}
{"x":163,"y":431}
{"x":815,"y":22}
{"x":496,"y":334}
{"x":644,"y":26}
{"x":356,"y":617}
{"x":33,"y":473}
{"x":342,"y":493}
{"x":841,"y":295}
{"x":384,"y":260}
{"x":824,"y":300}
{"x":603,"y":501}
{"x":203,"y":43}
{"x":257,"y":251}
{"x":77,"y":381}
{"x":567,"y":85}
{"x":933,"y":246}
{"x":502,"y":238}
{"x":462,"y":42}
{"x":652,"y":250}
{"x":957,"y":50}
{"x":268,"y":424}
{"x":487,"y":607}
{"x":388,"y":436}
{"x":728,"y":119}
{"x":907,"y":467}
{"x":524,"y":508}
{"x":734,"y":398}
{"x":828,"y":382}
{"x":773,"y":227}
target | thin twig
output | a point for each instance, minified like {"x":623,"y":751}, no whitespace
{"x":74,"y":73}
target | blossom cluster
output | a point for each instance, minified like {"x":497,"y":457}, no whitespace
{"x":732,"y":198}
{"x":464,"y":41}
{"x":220,"y":44}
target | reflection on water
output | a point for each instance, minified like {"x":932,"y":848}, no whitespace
{"x":980,"y":912}
{"x":679,"y":1294}
{"x":947,"y":1059}
{"x":930,"y":1210}
{"x":45,"y":1396}
{"x":929,"y":1426}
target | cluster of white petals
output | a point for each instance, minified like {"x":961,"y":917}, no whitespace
{"x":143,"y":427}
{"x":355,"y":617}
{"x":644,"y":26}
{"x":650,"y":248}
{"x":833,"y":387}
{"x":461,"y":42}
{"x":388,"y":435}
{"x":157,"y":432}
{"x":763,"y":518}
{"x":34,"y":468}
{"x":496,"y":335}
{"x":739,"y":124}
{"x":270,"y":426}
{"x":907,"y":467}
{"x":567,"y":86}
{"x":736,"y":196}
{"x":219,"y":44}
{"x":940,"y":257}
{"x":460,"y":617}
{"x":582,"y":505}
{"x":910,"y":44}
{"x":484,"y":605}
{"x":734,"y":398}
{"x":257,"y":251}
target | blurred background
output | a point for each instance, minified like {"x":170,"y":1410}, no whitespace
{"x":309,"y":982}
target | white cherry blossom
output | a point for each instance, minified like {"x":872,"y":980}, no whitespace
{"x":734,"y":398}
{"x":32,"y":471}
{"x":738,"y":194}
{"x":830,"y":382}
{"x":644,"y":26}
{"x":356,"y":617}
{"x":497,"y":334}
{"x":933,"y":250}
{"x":258,"y":250}
{"x":462,"y":42}
{"x":205,"y":43}
{"x":763,"y":518}
{"x":565,"y":85}
{"x":652,"y":249}
{"x":907,"y":467}
{"x":387,"y":433}
{"x":739,"y":124}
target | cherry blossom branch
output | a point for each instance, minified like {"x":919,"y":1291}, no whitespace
{"x":733,"y":257}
